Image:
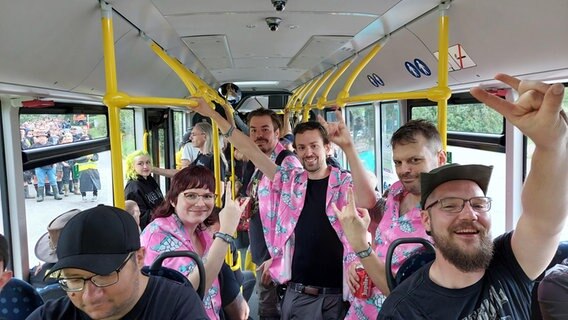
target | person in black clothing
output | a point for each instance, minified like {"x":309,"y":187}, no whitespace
{"x":471,"y":276}
{"x":99,"y":266}
{"x":141,"y":186}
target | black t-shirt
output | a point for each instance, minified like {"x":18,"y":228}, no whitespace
{"x":318,"y":252}
{"x":147,"y":194}
{"x":503,"y":293}
{"x":162,"y":299}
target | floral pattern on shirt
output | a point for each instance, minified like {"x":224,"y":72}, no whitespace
{"x":391,"y":227}
{"x":281,"y":202}
{"x":169,"y":234}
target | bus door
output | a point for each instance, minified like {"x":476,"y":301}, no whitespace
{"x":160,"y":124}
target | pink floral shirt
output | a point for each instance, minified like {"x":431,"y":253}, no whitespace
{"x":391,"y":227}
{"x":280,"y":203}
{"x":169,"y":234}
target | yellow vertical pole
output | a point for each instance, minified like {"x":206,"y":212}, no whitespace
{"x":230,"y":110}
{"x":113,"y":110}
{"x":443,"y":42}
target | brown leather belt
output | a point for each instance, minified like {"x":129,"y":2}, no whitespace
{"x":312,"y":290}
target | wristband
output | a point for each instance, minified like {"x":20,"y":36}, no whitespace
{"x":225,"y":237}
{"x":229,"y":132}
{"x":365,"y":253}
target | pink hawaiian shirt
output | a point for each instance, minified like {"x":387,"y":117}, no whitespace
{"x":391,"y":227}
{"x":169,"y":234}
{"x":280,"y":204}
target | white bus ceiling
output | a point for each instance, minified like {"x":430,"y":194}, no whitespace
{"x":53,"y":48}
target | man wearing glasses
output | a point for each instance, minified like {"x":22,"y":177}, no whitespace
{"x":99,"y":262}
{"x":473,"y":277}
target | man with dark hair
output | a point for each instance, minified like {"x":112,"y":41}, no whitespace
{"x":264,"y":130}
{"x":308,"y":248}
{"x":416,"y":148}
{"x":473,"y":277}
{"x":99,"y":262}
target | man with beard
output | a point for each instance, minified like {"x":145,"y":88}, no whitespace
{"x":308,"y":248}
{"x":473,"y":277}
{"x":264,"y":131}
{"x":416,"y":148}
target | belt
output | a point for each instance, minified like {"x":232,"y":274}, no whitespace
{"x":312,"y":290}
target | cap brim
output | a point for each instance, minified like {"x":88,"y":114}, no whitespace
{"x":43,"y":250}
{"x":95,"y":263}
{"x":479,"y":174}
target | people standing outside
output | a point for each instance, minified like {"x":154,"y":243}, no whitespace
{"x":47,"y":171}
{"x":66,"y":167}
{"x":180,"y":223}
{"x":308,"y":248}
{"x":141,"y":186}
{"x":89,"y":177}
{"x":416,"y":148}
{"x":473,"y":276}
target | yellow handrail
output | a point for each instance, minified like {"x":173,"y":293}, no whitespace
{"x":323,"y":98}
{"x":344,"y":93}
{"x":321,"y":81}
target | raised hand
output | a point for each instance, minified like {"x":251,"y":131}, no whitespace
{"x":203,"y":108}
{"x":230,"y":215}
{"x":337,"y":131}
{"x":537,"y":112}
{"x":354,"y":222}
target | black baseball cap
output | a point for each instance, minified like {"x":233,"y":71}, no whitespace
{"x":97,"y":240}
{"x":477,"y":173}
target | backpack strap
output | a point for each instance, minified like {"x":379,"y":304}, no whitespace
{"x":283,"y":154}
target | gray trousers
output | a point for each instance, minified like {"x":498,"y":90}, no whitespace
{"x":267,"y":300}
{"x":298,"y":305}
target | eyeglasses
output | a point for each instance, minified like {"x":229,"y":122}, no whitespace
{"x":100,"y":281}
{"x":456,"y":205}
{"x":194,"y":197}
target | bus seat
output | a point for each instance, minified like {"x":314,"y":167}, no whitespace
{"x":411,"y":264}
{"x":51,"y":292}
{"x":561,"y":254}
{"x":18,"y":299}
{"x":156,"y":269}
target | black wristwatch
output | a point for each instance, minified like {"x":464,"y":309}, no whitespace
{"x":365,"y":253}
{"x":225,"y":237}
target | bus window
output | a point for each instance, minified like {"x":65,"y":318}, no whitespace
{"x":390,"y":122}
{"x":83,"y":175}
{"x":529,"y":149}
{"x":361,"y":123}
{"x":127,"y":131}
{"x":59,"y":129}
{"x":475,"y":119}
